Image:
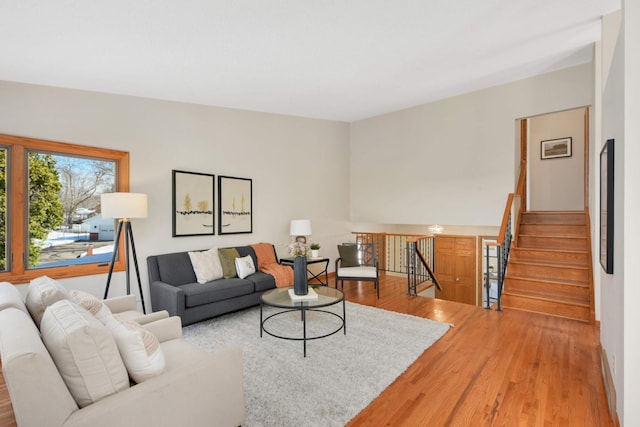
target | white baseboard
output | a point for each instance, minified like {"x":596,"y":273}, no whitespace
{"x":609,"y":386}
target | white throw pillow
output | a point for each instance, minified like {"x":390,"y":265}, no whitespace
{"x":90,"y":303}
{"x":43,"y":292}
{"x":206,"y":265}
{"x":84,"y":352}
{"x":139,"y":348}
{"x":245,"y":266}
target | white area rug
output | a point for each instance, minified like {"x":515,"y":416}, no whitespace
{"x":341,"y":373}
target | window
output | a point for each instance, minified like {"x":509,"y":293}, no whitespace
{"x":50,"y":220}
{"x":3,"y":208}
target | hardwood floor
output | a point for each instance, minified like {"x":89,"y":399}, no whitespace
{"x":6,"y":411}
{"x":491,"y":368}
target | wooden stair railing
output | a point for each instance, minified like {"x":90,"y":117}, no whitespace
{"x":508,"y":229}
{"x":503,"y":247}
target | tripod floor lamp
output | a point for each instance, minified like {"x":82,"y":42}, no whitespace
{"x":123,"y":207}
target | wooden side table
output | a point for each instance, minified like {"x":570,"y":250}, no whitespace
{"x":313,"y":276}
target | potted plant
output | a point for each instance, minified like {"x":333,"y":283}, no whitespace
{"x":314,"y":250}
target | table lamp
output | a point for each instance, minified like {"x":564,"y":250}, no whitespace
{"x":300,"y":228}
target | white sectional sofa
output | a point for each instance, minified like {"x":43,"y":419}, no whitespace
{"x":193,"y":387}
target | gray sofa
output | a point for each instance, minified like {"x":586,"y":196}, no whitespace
{"x":174,"y":288}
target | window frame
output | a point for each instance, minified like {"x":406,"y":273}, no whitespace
{"x":17,"y":206}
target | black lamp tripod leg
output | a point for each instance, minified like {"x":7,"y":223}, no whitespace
{"x":128,"y":237}
{"x":135,"y":264}
{"x":113,"y":258}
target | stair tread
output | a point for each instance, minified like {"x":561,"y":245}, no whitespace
{"x":553,"y":280}
{"x":544,"y":212}
{"x":559,"y":264}
{"x":551,"y":214}
{"x":552,"y":221}
{"x":553,"y":225}
{"x":564,"y":251}
{"x":555,"y":236}
{"x":579,"y":319}
{"x":551,"y":244}
{"x":545,"y":296}
{"x":552,"y":263}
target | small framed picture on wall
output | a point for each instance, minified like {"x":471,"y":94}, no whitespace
{"x":193,"y":198}
{"x":555,"y":148}
{"x":235,"y":206}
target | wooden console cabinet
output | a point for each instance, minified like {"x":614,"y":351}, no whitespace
{"x":455,"y":266}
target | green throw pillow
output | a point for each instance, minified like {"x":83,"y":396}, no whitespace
{"x":349,"y":255}
{"x":228,"y":260}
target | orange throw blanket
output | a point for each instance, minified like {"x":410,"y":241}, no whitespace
{"x":267,"y":264}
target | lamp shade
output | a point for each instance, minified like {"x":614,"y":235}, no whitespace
{"x":300,"y":227}
{"x":123,"y":205}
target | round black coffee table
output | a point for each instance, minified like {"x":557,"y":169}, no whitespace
{"x":280,"y":298}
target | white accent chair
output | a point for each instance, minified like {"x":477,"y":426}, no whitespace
{"x":358,"y":262}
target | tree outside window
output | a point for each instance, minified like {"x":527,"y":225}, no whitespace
{"x":65,"y":226}
{"x":50,"y":208}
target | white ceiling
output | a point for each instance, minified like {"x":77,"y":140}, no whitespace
{"x":334,"y":59}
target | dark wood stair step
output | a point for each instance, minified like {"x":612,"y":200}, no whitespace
{"x":552,"y":242}
{"x":554,"y":229}
{"x":551,"y":288}
{"x":570,"y":310}
{"x":548,"y":271}
{"x":546,"y":296}
{"x":550,"y":217}
{"x":550,"y":256}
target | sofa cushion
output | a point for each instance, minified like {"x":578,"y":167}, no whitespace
{"x":197,"y":294}
{"x":245,"y":266}
{"x":262,"y":281}
{"x":10,"y":297}
{"x":43,"y":292}
{"x":139,"y":348}
{"x":228,"y":260}
{"x":175,"y":269}
{"x":90,"y":303}
{"x":206,"y":265}
{"x":84,"y":352}
{"x":360,"y":271}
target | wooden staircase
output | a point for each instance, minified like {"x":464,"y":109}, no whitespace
{"x":549,"y":267}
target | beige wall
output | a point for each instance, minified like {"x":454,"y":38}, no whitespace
{"x":299,"y":166}
{"x":557,"y":184}
{"x":612,"y":285}
{"x":451,"y":162}
{"x":630,"y":234}
{"x":620,"y":293}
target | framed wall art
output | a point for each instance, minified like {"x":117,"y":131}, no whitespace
{"x":235,"y":209}
{"x":606,"y":206}
{"x":555,"y":148}
{"x":193,"y":204}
